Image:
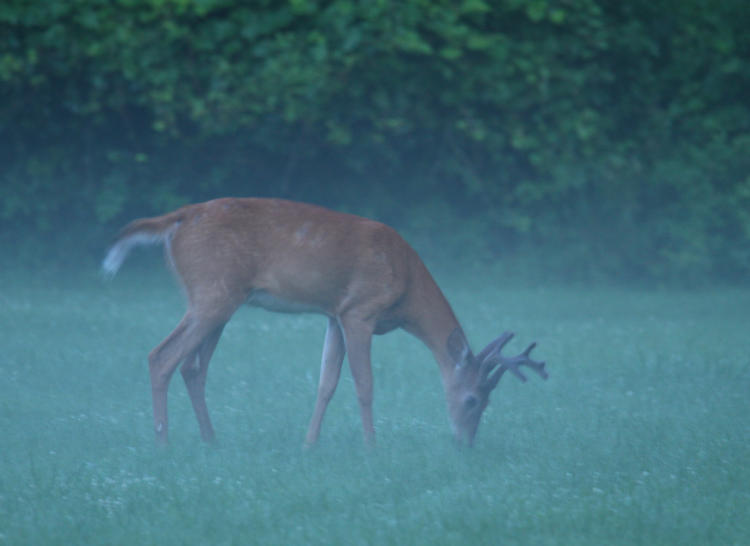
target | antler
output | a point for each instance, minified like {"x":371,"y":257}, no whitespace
{"x":490,"y":358}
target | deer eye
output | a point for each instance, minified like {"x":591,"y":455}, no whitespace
{"x":471,"y":402}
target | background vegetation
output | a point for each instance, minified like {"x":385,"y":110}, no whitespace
{"x":595,"y":139}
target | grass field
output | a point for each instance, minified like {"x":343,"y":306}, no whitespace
{"x":640,"y":436}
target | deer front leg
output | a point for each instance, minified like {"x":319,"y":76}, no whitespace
{"x":358,"y":338}
{"x":330,"y":370}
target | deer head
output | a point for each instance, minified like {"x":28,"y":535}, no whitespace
{"x":475,"y":377}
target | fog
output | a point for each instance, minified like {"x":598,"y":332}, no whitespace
{"x":575,"y":174}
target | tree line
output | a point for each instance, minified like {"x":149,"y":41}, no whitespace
{"x":616,"y":131}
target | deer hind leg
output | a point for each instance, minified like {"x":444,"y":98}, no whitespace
{"x":330,"y":370}
{"x":358,"y":336}
{"x":194,"y":371}
{"x":182,"y":343}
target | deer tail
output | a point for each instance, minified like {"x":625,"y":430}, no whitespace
{"x":144,"y":231}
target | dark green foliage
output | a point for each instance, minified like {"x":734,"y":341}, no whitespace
{"x":613,"y":136}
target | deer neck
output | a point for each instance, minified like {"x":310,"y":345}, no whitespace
{"x":432,"y":320}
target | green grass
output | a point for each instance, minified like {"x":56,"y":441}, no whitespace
{"x":640,"y":436}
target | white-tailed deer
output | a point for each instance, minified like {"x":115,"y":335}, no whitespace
{"x":294,"y":257}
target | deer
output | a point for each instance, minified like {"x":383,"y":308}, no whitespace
{"x":294,"y":257}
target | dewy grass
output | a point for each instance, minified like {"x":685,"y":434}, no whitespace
{"x":640,"y":436}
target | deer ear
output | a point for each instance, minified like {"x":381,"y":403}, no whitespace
{"x":458,"y":348}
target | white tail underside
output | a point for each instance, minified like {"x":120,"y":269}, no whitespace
{"x":120,"y":250}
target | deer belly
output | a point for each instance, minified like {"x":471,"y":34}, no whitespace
{"x":272,"y":302}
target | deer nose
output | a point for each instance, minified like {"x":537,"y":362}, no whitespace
{"x":463,"y":437}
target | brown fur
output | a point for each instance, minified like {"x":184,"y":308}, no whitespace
{"x":296,"y":257}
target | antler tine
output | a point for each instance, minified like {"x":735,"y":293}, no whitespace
{"x":488,"y":358}
{"x":538,"y":367}
{"x":513,"y":363}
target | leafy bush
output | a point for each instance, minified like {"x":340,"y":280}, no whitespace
{"x":617,"y":134}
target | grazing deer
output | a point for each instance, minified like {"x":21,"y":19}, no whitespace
{"x":294,"y":257}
